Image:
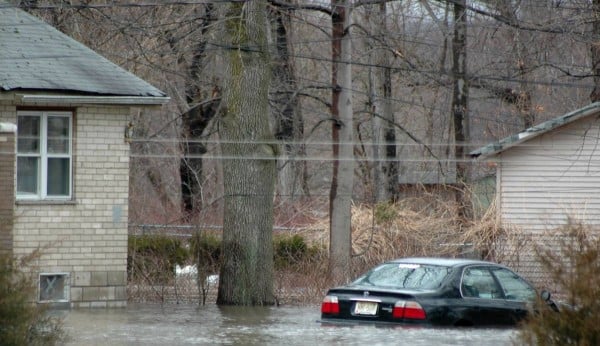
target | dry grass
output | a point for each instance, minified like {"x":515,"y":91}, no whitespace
{"x":414,"y":227}
{"x":575,"y":266}
{"x":424,"y":226}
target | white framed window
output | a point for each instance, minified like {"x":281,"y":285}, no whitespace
{"x":44,"y":155}
{"x":54,"y":288}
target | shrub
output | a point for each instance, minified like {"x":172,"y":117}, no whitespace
{"x":154,"y":257}
{"x":206,"y":253}
{"x":22,"y":322}
{"x":205,"y":248}
{"x":291,"y":250}
{"x":385,"y":212}
{"x":576,"y":269}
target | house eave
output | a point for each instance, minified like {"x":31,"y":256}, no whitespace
{"x":59,"y":100}
{"x":496,"y":148}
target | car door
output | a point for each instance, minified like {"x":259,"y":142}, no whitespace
{"x":517,"y":292}
{"x":483,"y":299}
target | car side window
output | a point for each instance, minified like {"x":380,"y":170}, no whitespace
{"x":514,"y":287}
{"x":478,"y":282}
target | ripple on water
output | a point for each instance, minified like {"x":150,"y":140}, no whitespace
{"x":209,"y":325}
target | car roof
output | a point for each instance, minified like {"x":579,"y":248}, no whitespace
{"x":447,"y":262}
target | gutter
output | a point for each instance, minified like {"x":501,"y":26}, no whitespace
{"x":534,"y":131}
{"x":31,"y":99}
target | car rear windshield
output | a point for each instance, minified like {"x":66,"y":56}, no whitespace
{"x":405,"y":275}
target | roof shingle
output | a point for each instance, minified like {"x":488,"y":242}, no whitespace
{"x":534,"y":131}
{"x":36,"y":56}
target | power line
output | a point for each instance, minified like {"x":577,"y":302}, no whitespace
{"x":431,"y":72}
{"x":163,"y":3}
{"x":423,"y":71}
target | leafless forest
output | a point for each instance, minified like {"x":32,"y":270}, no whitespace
{"x":427,"y":82}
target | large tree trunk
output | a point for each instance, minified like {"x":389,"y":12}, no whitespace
{"x":595,"y":50}
{"x":521,"y":45}
{"x":289,"y":125}
{"x":195,"y":121}
{"x":249,"y":164}
{"x":385,"y":175}
{"x":459,"y":100}
{"x":343,"y":148}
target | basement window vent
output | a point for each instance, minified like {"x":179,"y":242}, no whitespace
{"x":54,"y":287}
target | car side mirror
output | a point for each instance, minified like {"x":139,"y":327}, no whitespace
{"x":545,"y":295}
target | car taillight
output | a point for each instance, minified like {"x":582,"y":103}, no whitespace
{"x":330,"y":305}
{"x":408,"y":310}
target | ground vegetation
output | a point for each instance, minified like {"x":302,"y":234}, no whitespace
{"x":574,"y":266}
{"x":428,"y":83}
{"x":22,"y":321}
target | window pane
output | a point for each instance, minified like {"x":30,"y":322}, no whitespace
{"x":58,"y":176}
{"x":28,"y":134}
{"x":54,"y":287}
{"x":404,"y":275}
{"x":514,"y":287}
{"x":27,"y":175}
{"x":58,"y":135}
{"x":479,"y":283}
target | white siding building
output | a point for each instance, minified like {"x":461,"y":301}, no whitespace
{"x":545,"y":175}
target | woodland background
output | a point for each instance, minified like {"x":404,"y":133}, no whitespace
{"x":429,"y":81}
{"x":526,"y":62}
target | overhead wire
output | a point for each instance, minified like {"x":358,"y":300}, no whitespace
{"x":408,"y":69}
{"x":329,"y":60}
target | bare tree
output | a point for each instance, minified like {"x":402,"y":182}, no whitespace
{"x":521,"y":45}
{"x":203,"y":107}
{"x":249,"y":163}
{"x":460,"y":111}
{"x":342,"y":130}
{"x":385,"y":175}
{"x":533,"y":57}
{"x":595,"y":50}
{"x":289,"y":124}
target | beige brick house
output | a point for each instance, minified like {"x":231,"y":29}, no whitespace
{"x":64,"y":160}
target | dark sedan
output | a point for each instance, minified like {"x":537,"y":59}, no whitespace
{"x":432,"y":291}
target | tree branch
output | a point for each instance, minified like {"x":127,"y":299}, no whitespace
{"x":310,"y":7}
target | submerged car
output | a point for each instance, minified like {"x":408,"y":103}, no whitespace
{"x":433,"y":291}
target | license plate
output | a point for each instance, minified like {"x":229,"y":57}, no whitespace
{"x":365,"y":308}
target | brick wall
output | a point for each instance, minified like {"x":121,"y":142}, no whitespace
{"x":7,"y":186}
{"x":85,"y":238}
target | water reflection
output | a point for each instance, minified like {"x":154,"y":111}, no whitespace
{"x":244,"y":325}
{"x":212,"y":325}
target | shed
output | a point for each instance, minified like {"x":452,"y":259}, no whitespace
{"x":64,"y":160}
{"x":546,"y":175}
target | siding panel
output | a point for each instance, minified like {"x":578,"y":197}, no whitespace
{"x":552,"y":176}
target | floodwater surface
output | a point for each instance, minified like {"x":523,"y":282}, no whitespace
{"x":213,"y":325}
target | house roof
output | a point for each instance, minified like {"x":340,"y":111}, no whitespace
{"x":534,"y":131}
{"x":37,"y":57}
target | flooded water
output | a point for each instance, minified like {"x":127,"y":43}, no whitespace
{"x":212,"y":325}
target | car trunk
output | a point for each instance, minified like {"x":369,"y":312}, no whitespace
{"x":365,"y":304}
